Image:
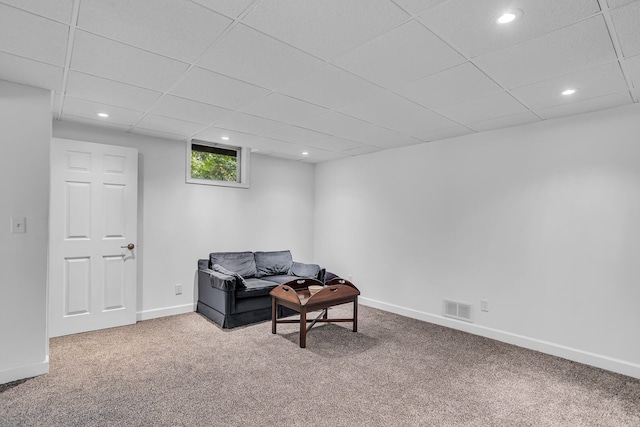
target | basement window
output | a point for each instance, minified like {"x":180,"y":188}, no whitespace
{"x":210,"y":163}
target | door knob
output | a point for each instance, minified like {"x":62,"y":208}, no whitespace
{"x":130,"y":246}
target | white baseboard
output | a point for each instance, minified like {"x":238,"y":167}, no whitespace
{"x":25,"y":371}
{"x":576,"y":355}
{"x":165,"y":311}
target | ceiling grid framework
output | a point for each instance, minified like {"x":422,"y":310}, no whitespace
{"x":327,"y":77}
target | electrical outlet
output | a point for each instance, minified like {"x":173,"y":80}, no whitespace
{"x":484,"y":305}
{"x":179,"y":289}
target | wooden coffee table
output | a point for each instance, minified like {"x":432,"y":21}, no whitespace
{"x":296,"y":296}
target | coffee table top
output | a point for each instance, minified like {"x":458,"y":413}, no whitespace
{"x":296,"y":292}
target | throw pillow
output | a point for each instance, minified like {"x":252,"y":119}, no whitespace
{"x":240,"y":262}
{"x":304,"y":270}
{"x":273,"y":263}
{"x":221,"y":269}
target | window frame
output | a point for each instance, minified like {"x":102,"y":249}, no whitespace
{"x":242,"y":161}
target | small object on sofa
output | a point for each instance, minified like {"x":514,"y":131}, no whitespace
{"x":233,"y":287}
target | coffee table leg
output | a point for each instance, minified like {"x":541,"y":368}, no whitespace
{"x":303,"y":327}
{"x":273,"y":315}
{"x":355,"y":315}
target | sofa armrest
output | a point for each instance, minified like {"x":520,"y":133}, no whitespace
{"x":217,"y":280}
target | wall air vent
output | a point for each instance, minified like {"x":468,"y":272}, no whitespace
{"x":457,"y":310}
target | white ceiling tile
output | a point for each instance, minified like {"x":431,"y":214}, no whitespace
{"x":92,"y":88}
{"x":176,"y":28}
{"x":257,"y":143}
{"x":379,"y":91}
{"x":348,"y":127}
{"x":592,"y":104}
{"x":334,"y":144}
{"x":216,"y":89}
{"x":453,"y":86}
{"x":614,"y":4}
{"x":325,"y":28}
{"x":268,"y":144}
{"x":590,"y":83}
{"x":318,"y":156}
{"x":158,"y":134}
{"x":505,"y":122}
{"x":334,"y":123}
{"x":89,"y":110}
{"x":314,"y":155}
{"x":330,"y":87}
{"x":247,"y":123}
{"x":626,"y":21}
{"x":363,"y":149}
{"x":451,"y":132}
{"x":470,"y":25}
{"x":390,"y":110}
{"x":573,"y":48}
{"x":284,"y":109}
{"x":33,"y":37}
{"x":489,"y":107}
{"x":27,"y":72}
{"x":239,"y":139}
{"x":298,"y":135}
{"x":169,"y":125}
{"x":115,"y":61}
{"x":60,"y":10}
{"x":281,"y":155}
{"x":249,"y":55}
{"x":633,"y":68}
{"x":417,"y":6}
{"x":92,"y":122}
{"x":402,"y":55}
{"x":232,"y":8}
{"x":188,"y":110}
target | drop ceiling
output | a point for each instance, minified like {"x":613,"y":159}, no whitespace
{"x":331,"y":78}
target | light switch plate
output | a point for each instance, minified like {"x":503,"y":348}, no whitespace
{"x":18,"y":225}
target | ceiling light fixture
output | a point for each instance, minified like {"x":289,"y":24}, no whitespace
{"x":568,"y":92}
{"x":104,"y":115}
{"x":226,"y":138}
{"x":305,"y":153}
{"x":509,"y":16}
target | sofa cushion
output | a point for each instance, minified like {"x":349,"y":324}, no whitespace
{"x":304,"y":270}
{"x":221,"y":269}
{"x":255,"y":288}
{"x":242,"y":263}
{"x":280,"y":279}
{"x":273,"y":263}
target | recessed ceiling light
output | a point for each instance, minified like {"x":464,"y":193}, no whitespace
{"x":509,"y":16}
{"x":103,"y":115}
{"x":226,"y":138}
{"x":305,"y":153}
{"x":568,"y":92}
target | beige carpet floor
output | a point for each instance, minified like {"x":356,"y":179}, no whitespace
{"x":185,"y":371}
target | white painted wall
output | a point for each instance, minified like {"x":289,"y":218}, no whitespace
{"x":180,"y":223}
{"x":25,"y":132}
{"x":543,"y":221}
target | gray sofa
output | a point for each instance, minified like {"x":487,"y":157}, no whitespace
{"x":233,"y":287}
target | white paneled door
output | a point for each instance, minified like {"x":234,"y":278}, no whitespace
{"x":93,"y":229}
